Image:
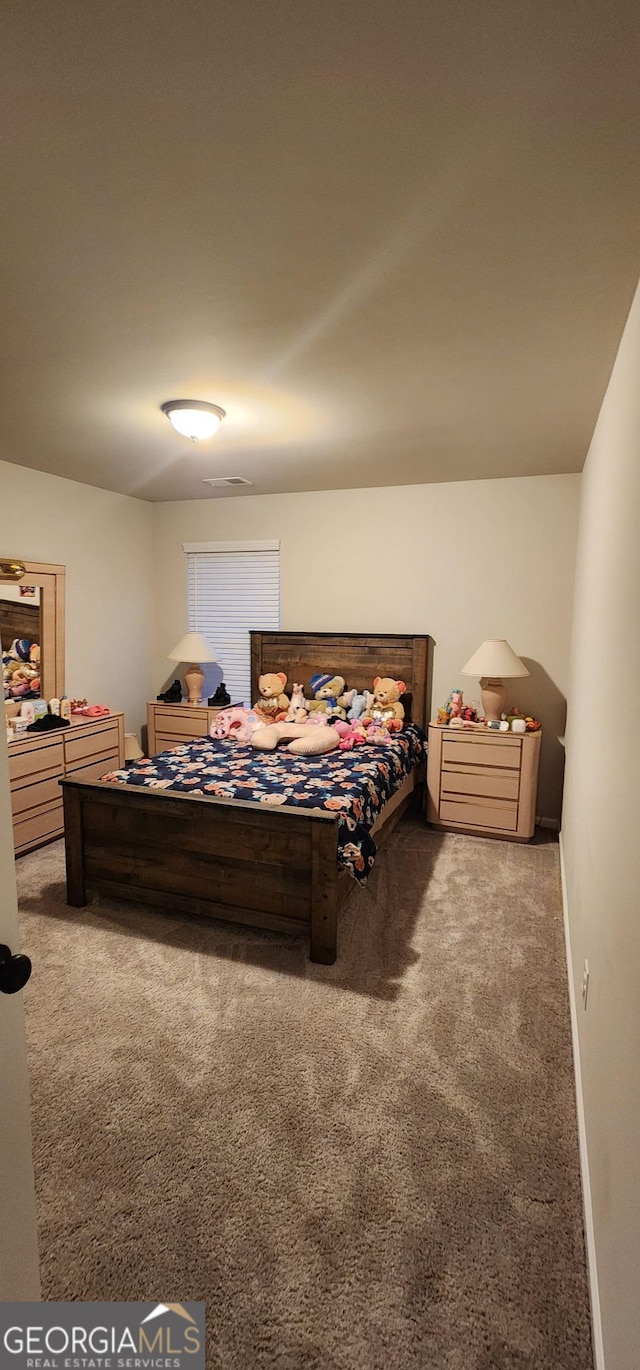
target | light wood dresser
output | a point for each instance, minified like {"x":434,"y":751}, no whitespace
{"x":38,"y":761}
{"x":483,"y":782}
{"x":168,"y":725}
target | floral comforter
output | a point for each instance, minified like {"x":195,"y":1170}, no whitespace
{"x":354,"y":784}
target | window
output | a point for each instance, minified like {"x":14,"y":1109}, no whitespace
{"x":232,"y":587}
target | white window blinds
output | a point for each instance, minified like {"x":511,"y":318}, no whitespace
{"x":232,"y":588}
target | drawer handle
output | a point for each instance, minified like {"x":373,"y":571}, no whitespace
{"x":14,"y":971}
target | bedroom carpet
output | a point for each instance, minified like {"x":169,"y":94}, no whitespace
{"x":367,"y":1165}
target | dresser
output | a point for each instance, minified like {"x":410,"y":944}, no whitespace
{"x":168,"y":725}
{"x":38,"y":761}
{"x":483,"y":782}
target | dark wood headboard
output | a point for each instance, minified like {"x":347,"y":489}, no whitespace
{"x":18,"y":619}
{"x":358,"y":657}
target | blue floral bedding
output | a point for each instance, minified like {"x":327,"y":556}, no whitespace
{"x":354,"y":784}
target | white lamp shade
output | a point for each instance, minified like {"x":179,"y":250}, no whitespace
{"x":195,"y":419}
{"x":132,"y":749}
{"x":495,"y":659}
{"x":192,"y":647}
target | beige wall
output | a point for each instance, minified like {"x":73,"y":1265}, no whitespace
{"x":461,"y":561}
{"x":601,"y":826}
{"x":104,"y":541}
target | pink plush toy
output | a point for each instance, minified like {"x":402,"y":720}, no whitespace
{"x":236,"y":723}
{"x":454,"y":704}
{"x":351,"y":734}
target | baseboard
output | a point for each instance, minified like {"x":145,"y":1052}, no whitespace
{"x":592,"y":1265}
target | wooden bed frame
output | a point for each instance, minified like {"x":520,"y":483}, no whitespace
{"x":273,"y":868}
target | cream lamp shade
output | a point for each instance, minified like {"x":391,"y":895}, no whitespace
{"x":132,"y":749}
{"x":494,"y":661}
{"x":193,"y":648}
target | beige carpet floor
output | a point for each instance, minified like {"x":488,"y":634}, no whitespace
{"x":366,"y":1165}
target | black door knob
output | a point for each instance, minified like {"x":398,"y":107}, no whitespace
{"x":14,"y":971}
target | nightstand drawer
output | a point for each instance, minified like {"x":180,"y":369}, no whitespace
{"x":193,"y":723}
{"x":500,"y":752}
{"x":482,"y":813}
{"x":464,"y":780}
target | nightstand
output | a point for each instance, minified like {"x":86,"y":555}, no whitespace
{"x":169,"y":725}
{"x":483,"y":782}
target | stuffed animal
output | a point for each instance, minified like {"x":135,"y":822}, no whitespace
{"x":303,"y":738}
{"x":21,"y":668}
{"x":455,"y":704}
{"x":272,"y":704}
{"x":297,"y":711}
{"x":236,"y":723}
{"x":386,"y":708}
{"x":351,"y":734}
{"x":329,"y":695}
{"x":359,"y":704}
{"x":20,"y":682}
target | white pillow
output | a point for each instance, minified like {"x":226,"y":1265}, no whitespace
{"x":304,"y":739}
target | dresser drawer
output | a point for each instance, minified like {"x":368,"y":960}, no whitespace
{"x":96,"y":768}
{"x":43,"y":761}
{"x":86,"y":745}
{"x":27,"y":797}
{"x":500,"y":814}
{"x":498,"y":754}
{"x":464,"y":780}
{"x":38,"y":826}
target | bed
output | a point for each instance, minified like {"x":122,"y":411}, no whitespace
{"x":246,"y":862}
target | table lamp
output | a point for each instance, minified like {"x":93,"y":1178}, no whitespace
{"x":494,"y":661}
{"x":193,"y":647}
{"x":132,"y":749}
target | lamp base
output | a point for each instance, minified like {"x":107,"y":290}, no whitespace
{"x":194,"y":680}
{"x":494,"y":699}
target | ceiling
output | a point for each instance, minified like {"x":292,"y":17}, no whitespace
{"x":396,"y":242}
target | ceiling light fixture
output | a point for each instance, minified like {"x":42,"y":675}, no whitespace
{"x":195,"y":419}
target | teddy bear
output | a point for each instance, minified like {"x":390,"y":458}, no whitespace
{"x":329,"y":697}
{"x":21,"y":668}
{"x":386,"y":708}
{"x":273,"y":703}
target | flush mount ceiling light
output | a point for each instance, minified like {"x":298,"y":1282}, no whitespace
{"x":195,"y":419}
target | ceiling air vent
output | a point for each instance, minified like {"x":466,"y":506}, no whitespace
{"x":227,"y":480}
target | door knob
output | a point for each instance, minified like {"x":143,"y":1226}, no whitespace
{"x":14,"y":971}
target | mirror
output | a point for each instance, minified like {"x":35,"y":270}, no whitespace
{"x":32,"y":633}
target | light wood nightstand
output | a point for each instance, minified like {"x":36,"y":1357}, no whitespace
{"x":169,"y":725}
{"x":483,"y":782}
